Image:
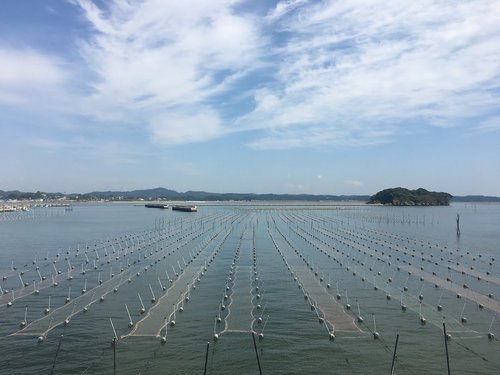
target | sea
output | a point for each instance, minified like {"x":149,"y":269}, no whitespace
{"x":249,"y":288}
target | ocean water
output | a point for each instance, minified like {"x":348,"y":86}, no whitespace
{"x":307,"y":271}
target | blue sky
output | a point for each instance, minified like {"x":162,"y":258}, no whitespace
{"x":296,"y":96}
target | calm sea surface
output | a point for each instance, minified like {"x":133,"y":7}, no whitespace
{"x":297,"y":276}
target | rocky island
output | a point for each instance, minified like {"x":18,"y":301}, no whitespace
{"x":405,"y":197}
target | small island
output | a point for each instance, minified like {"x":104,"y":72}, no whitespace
{"x":405,"y":197}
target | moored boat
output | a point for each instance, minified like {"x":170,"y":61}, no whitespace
{"x":185,"y":208}
{"x":156,"y":205}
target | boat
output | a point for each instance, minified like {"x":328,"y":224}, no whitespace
{"x":185,"y":208}
{"x":156,"y":205}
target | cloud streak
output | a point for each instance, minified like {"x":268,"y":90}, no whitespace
{"x":364,"y":72}
{"x":165,"y":62}
{"x":26,"y":74}
{"x":307,"y":74}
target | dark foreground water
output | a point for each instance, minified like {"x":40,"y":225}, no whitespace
{"x":297,"y":275}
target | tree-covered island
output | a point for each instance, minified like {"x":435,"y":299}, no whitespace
{"x":404,"y":197}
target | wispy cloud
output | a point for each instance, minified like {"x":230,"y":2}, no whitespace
{"x":353,"y":183}
{"x":490,"y":125}
{"x":27,"y":75}
{"x":363,"y":72}
{"x":308,"y":74}
{"x":166,"y":61}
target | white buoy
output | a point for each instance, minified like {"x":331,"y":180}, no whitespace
{"x":359,"y":317}
{"x":153,"y":298}
{"x":376,"y":335}
{"x":68,"y":298}
{"x":172,"y":322}
{"x":47,"y":310}
{"x":84,"y":290}
{"x":130,"y":322}
{"x":463,"y":319}
{"x":24,"y":322}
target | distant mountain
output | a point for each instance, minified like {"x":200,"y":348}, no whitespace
{"x":404,"y":197}
{"x":156,"y":193}
{"x":167,"y":194}
{"x":476,"y":198}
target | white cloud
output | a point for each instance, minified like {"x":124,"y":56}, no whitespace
{"x":26,"y":74}
{"x":490,"y":125}
{"x":160,"y":60}
{"x":284,"y":7}
{"x":351,"y":73}
{"x":362,"y":72}
{"x":174,"y":128}
{"x":353,"y":183}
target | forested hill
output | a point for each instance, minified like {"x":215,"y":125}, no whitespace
{"x":404,"y":197}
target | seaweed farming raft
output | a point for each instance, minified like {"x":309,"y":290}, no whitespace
{"x":331,"y":287}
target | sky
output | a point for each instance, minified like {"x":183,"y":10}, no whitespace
{"x":261,"y":96}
